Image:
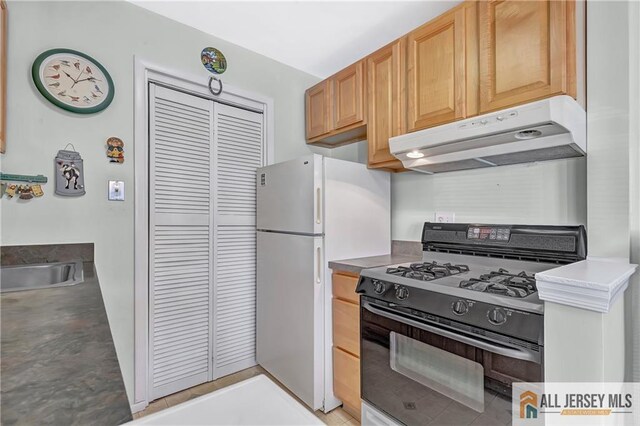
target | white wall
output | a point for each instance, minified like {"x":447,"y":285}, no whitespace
{"x":633,"y":296}
{"x":608,"y":128}
{"x":112,"y":33}
{"x":605,"y":348}
{"x":608,"y":162}
{"x":547,"y":193}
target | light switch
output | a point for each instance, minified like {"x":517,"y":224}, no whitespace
{"x":116,"y":190}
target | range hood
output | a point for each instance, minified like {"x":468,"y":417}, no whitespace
{"x":543,"y":130}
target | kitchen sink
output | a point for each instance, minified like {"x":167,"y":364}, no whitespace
{"x":41,"y":275}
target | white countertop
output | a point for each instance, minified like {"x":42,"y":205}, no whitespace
{"x":593,"y":284}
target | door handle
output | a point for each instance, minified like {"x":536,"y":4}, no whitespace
{"x":318,"y":265}
{"x":509,"y":351}
{"x":318,"y":206}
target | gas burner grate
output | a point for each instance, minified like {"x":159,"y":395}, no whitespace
{"x":427,"y":271}
{"x":504,"y":283}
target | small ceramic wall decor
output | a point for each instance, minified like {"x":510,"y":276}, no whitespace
{"x":24,"y":191}
{"x":37,"y":190}
{"x":73,"y":81}
{"x":69,"y":173}
{"x":11,"y":190}
{"x":213,"y":60}
{"x":115,"y":150}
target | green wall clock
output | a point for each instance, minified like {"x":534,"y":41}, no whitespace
{"x":73,"y":81}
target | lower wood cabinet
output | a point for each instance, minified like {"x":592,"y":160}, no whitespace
{"x":346,"y":326}
{"x":346,"y":341}
{"x":346,"y":380}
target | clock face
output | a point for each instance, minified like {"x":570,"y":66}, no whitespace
{"x":73,"y":81}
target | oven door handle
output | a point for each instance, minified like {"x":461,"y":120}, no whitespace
{"x":511,"y":352}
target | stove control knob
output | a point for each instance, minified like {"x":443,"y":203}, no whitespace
{"x":378,"y":287}
{"x":460,"y":307}
{"x":497,"y":316}
{"x":401,"y":292}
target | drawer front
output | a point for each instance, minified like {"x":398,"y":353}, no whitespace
{"x":346,"y":379}
{"x":346,"y":326}
{"x":344,"y":287}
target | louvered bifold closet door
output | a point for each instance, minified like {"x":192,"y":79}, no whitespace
{"x":181,"y":240}
{"x":238,"y":136}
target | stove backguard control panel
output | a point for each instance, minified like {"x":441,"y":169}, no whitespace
{"x":554,"y":244}
{"x":488,"y":233}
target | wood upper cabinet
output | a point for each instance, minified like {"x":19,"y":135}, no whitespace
{"x":440,"y":54}
{"x":348,"y":96}
{"x":318,"y":104}
{"x":335,"y":112}
{"x":478,"y":57}
{"x":527,"y":51}
{"x":386,"y":102}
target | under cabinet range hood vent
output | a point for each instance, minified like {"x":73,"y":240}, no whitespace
{"x":543,"y":130}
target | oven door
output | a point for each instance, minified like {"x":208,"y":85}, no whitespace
{"x":419,"y":372}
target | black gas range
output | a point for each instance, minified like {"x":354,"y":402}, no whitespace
{"x":470,"y":308}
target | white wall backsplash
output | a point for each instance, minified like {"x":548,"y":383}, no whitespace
{"x":546,"y":193}
{"x":113,"y":32}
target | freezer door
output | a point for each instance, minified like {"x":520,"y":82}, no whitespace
{"x":290,"y":312}
{"x":290,"y":196}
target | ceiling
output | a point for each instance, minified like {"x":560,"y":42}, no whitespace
{"x":318,"y":37}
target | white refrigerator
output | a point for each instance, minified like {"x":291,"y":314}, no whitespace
{"x":311,"y":210}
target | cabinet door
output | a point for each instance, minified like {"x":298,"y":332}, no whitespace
{"x":346,"y":326}
{"x":348,"y":96}
{"x":346,"y":380}
{"x":442,"y":69}
{"x":525,"y":47}
{"x":318,"y":106}
{"x":344,"y":287}
{"x":386,"y":100}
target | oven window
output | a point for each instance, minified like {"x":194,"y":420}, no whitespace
{"x":453,"y":376}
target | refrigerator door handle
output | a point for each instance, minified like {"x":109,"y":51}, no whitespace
{"x":318,"y":206}
{"x":318,"y":265}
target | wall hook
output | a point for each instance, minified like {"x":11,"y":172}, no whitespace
{"x":214,"y":92}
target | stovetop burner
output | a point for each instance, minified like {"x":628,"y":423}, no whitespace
{"x":504,"y":283}
{"x":427,"y":271}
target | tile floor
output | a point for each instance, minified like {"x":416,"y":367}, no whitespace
{"x":337,"y":417}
